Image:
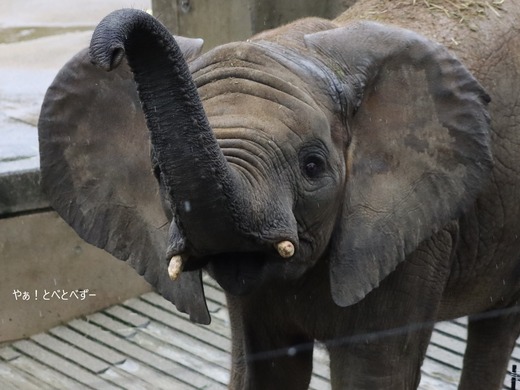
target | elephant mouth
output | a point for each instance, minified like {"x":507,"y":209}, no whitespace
{"x":238,"y":273}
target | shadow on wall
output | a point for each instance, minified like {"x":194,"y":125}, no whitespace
{"x":239,"y":19}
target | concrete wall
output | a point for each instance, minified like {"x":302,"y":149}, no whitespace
{"x":41,"y":254}
{"x":221,"y":21}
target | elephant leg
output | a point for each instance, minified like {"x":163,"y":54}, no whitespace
{"x":238,"y":363}
{"x":388,"y":362}
{"x":265,"y":353}
{"x":271,"y":366}
{"x":389,"y":330}
{"x":489,"y":346}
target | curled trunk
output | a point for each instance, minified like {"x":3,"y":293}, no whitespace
{"x":194,"y":170}
{"x":211,"y":201}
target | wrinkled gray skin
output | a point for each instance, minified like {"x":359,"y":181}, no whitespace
{"x":373,"y":150}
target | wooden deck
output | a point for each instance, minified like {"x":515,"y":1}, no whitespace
{"x":145,"y":343}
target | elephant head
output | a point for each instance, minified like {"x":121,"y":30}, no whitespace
{"x":344,"y":145}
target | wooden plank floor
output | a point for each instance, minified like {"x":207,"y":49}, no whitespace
{"x":145,"y":343}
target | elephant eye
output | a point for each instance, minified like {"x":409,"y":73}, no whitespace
{"x":313,"y":166}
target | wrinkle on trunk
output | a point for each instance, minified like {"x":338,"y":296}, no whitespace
{"x":194,"y":170}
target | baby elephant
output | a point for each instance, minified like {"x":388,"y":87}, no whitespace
{"x":347,"y":180}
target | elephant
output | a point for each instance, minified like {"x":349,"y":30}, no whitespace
{"x":348,"y":181}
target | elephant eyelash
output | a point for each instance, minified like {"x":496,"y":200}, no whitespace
{"x":313,"y":161}
{"x":156,"y":170}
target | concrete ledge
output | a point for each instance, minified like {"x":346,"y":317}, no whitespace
{"x":20,"y":192}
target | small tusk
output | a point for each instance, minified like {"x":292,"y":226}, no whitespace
{"x":175,"y":267}
{"x":285,"y":249}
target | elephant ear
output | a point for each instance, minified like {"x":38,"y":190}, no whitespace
{"x":97,"y":173}
{"x":418,"y":153}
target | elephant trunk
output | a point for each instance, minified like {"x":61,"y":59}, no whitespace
{"x":210,"y":200}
